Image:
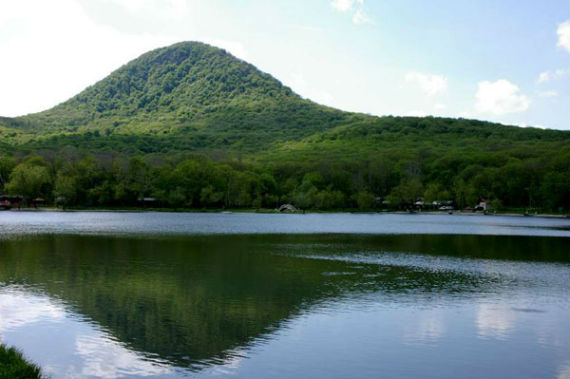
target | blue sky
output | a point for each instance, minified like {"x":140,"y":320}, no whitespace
{"x":505,"y":61}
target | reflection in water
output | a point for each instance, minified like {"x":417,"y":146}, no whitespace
{"x":428,"y":329}
{"x":83,"y":349}
{"x":17,"y":309}
{"x":495,"y":321}
{"x":564,"y":371}
{"x":106,"y":358}
{"x":313,"y":306}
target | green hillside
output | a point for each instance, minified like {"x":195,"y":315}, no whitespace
{"x":192,"y":126}
{"x":189,"y":91}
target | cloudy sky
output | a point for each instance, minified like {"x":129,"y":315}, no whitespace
{"x":505,"y":61}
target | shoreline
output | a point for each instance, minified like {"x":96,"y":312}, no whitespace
{"x":273,"y":211}
{"x":13,"y":364}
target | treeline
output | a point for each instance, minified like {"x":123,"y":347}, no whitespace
{"x":195,"y":181}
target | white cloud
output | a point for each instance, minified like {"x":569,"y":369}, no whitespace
{"x":547,"y":94}
{"x":543,"y":77}
{"x":359,"y":17}
{"x":500,"y":97}
{"x":131,"y":5}
{"x":355,"y":6}
{"x":73,"y":50}
{"x":343,"y":5}
{"x":439,"y":107}
{"x":429,"y":83}
{"x":158,"y":8}
{"x":563,"y":32}
{"x":416,"y":113}
{"x":547,"y":76}
{"x":299,"y":84}
{"x":526,"y":125}
{"x":234,"y":47}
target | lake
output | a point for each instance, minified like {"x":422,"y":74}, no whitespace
{"x":120,"y":294}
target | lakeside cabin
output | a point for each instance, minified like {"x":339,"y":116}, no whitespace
{"x":481,"y":204}
{"x":287,"y":208}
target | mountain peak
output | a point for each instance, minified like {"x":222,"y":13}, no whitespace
{"x":187,"y":86}
{"x":184,"y":75}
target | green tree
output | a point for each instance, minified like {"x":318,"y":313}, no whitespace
{"x":7,"y":164}
{"x":30,"y":179}
{"x":365,"y":200}
{"x":408,"y":191}
{"x":65,"y":189}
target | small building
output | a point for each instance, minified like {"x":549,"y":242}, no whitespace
{"x":481,"y":204}
{"x":287,"y":208}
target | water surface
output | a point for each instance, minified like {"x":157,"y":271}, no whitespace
{"x":172,"y":295}
{"x":258,"y":223}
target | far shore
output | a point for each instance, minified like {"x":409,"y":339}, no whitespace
{"x":275,"y":211}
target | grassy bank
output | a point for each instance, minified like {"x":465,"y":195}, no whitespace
{"x":14,"y":366}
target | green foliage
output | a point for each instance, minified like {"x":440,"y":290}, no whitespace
{"x":197,"y":181}
{"x":65,"y":189}
{"x":365,"y":200}
{"x":14,"y":366}
{"x":255,"y":143}
{"x":496,"y":204}
{"x":407,"y":192}
{"x":6,"y":166}
{"x":189,"y":93}
{"x":30,"y":179}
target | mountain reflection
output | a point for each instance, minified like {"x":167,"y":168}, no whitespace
{"x":195,"y":301}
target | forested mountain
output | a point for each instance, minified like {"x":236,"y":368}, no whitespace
{"x":192,"y":126}
{"x":189,"y":91}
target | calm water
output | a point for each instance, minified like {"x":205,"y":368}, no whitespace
{"x":253,"y":295}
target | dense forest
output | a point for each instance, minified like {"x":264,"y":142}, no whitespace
{"x":190,"y":126}
{"x":197,"y":181}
